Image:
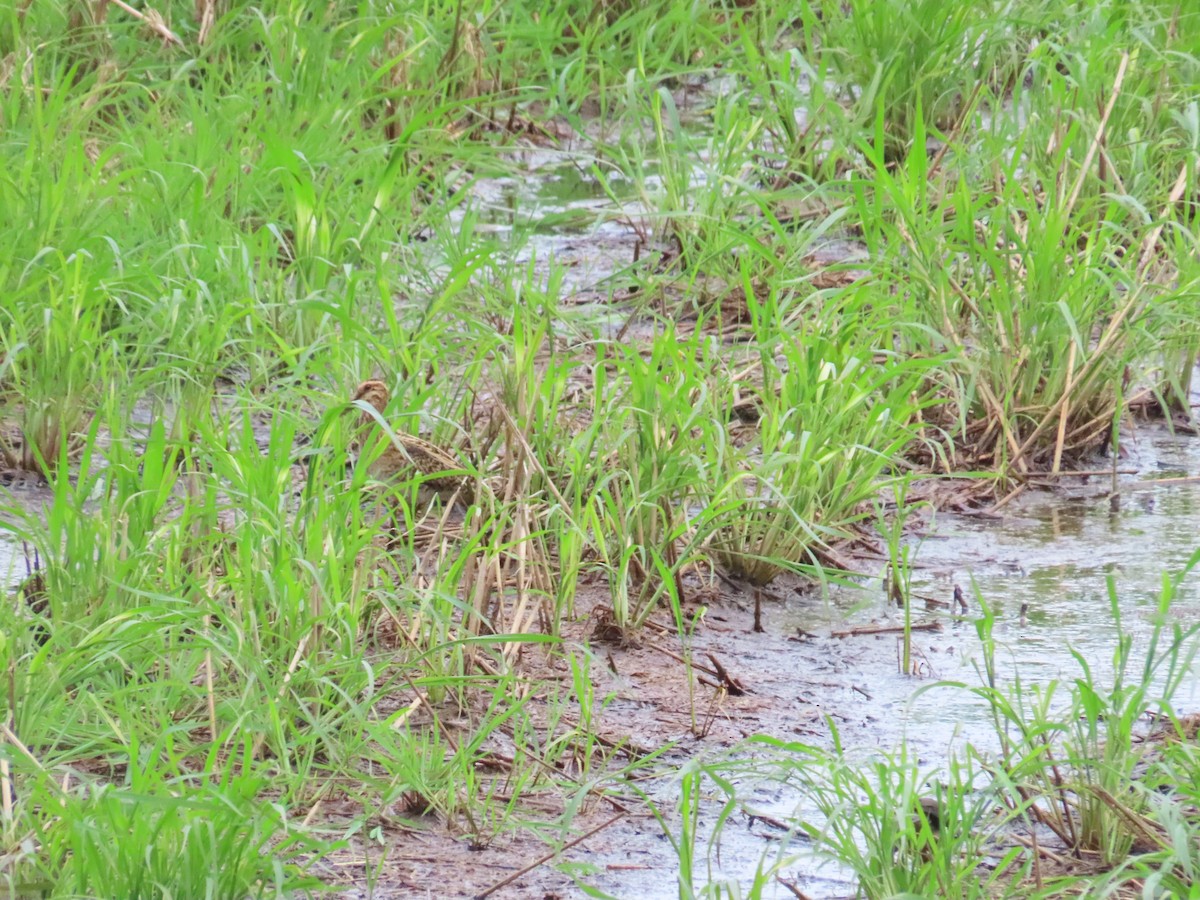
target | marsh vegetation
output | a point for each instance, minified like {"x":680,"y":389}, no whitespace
{"x":701,"y":304}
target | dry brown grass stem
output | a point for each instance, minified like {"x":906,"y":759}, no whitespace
{"x":520,"y":542}
{"x":1008,"y":498}
{"x":549,"y":856}
{"x":11,"y":738}
{"x":1002,"y":420}
{"x":6,"y":786}
{"x":1065,"y":413}
{"x":206,"y":15}
{"x":478,"y":575}
{"x":152,"y":20}
{"x":209,"y":677}
{"x":1098,"y":138}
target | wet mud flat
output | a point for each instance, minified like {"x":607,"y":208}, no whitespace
{"x":828,"y":655}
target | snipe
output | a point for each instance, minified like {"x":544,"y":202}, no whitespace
{"x":406,"y":456}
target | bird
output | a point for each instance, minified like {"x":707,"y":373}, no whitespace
{"x":931,"y":812}
{"x":406,"y":456}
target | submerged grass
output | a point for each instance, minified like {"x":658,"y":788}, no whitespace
{"x":854,"y":244}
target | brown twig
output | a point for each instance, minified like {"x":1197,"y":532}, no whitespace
{"x":699,"y":667}
{"x":1040,"y":851}
{"x":504,"y":882}
{"x":1156,"y":482}
{"x":1009,"y":497}
{"x":886,"y":629}
{"x":731,"y":684}
{"x":1083,"y":473}
{"x":791,"y":886}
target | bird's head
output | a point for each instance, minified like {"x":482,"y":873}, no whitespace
{"x":375,"y":393}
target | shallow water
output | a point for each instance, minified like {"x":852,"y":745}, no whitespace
{"x":1055,"y":554}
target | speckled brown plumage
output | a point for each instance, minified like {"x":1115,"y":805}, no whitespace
{"x":407,"y":455}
